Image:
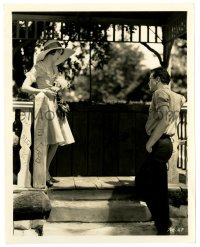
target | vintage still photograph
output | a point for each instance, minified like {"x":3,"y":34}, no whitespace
{"x":100,"y":128}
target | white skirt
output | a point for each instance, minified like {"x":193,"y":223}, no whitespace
{"x":58,"y":131}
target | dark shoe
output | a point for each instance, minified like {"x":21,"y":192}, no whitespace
{"x":163,"y":228}
{"x":49,"y":183}
{"x":53,"y":180}
{"x":163,"y":232}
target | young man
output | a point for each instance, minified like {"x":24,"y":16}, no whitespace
{"x":151,"y":181}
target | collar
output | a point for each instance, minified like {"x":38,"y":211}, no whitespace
{"x":163,"y":86}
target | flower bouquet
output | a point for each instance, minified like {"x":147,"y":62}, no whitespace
{"x":61,"y":87}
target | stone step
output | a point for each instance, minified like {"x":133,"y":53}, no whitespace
{"x":98,"y":211}
{"x":93,"y":182}
{"x":176,"y":195}
{"x":101,"y":199}
{"x":105,"y":211}
{"x":103,"y":188}
{"x":99,"y":229}
{"x":56,"y":229}
{"x":119,"y":193}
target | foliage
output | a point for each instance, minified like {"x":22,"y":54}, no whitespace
{"x":179,"y":67}
{"x":116,"y":72}
{"x":111,"y":82}
{"x":122,"y":70}
{"x":95,"y":49}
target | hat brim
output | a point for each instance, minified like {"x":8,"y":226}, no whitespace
{"x":66,"y":54}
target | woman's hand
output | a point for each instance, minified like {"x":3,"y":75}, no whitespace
{"x":49,"y":93}
{"x":55,"y":89}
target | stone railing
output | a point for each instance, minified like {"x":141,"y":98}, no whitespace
{"x":25,"y":119}
{"x":28,"y":113}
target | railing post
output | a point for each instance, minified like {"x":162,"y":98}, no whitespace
{"x":180,"y":138}
{"x":24,"y":175}
{"x":173,"y":174}
{"x":40,"y":141}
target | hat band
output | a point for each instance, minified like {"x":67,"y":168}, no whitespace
{"x":52,"y":45}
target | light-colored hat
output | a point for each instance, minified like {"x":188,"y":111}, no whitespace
{"x":51,"y":45}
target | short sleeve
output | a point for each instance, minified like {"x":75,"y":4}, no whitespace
{"x":32,"y":74}
{"x":160,"y":98}
{"x":183,"y":100}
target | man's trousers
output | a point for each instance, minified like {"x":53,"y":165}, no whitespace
{"x":152,"y":184}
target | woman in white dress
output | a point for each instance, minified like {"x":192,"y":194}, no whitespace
{"x":53,"y":85}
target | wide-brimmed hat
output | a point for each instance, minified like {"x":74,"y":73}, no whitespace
{"x":51,"y":45}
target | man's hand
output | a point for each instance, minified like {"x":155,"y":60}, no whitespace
{"x":159,"y":129}
{"x":148,"y":148}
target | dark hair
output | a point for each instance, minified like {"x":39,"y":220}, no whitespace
{"x":52,"y":52}
{"x":162,"y":74}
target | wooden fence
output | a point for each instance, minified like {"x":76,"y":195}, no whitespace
{"x":109,"y":141}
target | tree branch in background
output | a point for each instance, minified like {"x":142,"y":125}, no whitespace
{"x":154,"y":51}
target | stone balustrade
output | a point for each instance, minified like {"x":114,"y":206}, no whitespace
{"x":31,"y":113}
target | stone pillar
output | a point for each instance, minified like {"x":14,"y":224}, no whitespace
{"x":40,"y":141}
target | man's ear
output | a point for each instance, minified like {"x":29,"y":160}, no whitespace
{"x":157,"y":79}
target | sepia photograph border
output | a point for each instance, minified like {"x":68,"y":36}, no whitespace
{"x":10,"y":238}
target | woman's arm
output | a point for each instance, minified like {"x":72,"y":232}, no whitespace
{"x":27,"y":86}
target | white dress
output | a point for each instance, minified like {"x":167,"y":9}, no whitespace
{"x":59,"y":131}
